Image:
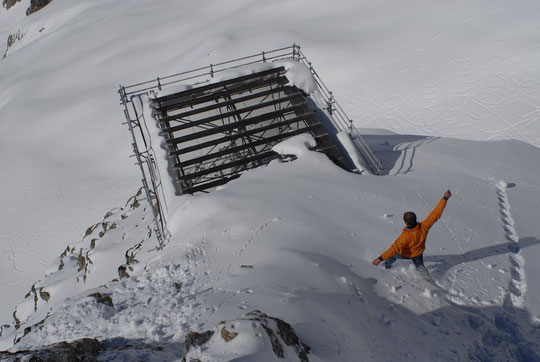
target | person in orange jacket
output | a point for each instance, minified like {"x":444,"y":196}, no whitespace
{"x":412,"y":241}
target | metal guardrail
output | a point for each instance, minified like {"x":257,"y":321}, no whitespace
{"x":203,"y":75}
{"x":146,"y":160}
{"x":200,"y":76}
{"x":338,"y":114}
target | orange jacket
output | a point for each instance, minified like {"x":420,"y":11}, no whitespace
{"x":412,"y":242}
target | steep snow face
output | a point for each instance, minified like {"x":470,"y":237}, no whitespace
{"x":296,"y":239}
{"x":460,"y":69}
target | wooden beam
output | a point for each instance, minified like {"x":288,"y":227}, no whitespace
{"x":227,"y":114}
{"x":206,"y":186}
{"x":233,"y":89}
{"x":263,"y":141}
{"x":245,"y":161}
{"x":300,"y":118}
{"x":231,"y":126}
{"x":216,"y":105}
{"x":193,"y":91}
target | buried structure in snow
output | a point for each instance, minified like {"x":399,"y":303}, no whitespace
{"x":227,"y":120}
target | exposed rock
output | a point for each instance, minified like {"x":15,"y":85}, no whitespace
{"x":9,"y":3}
{"x":81,"y":261}
{"x":85,"y":349}
{"x":12,"y":38}
{"x":44,"y":295}
{"x":122,"y":272}
{"x":103,"y":299}
{"x":33,"y":293}
{"x":253,"y":327}
{"x":133,"y":202}
{"x":132,"y":252}
{"x":90,"y":230}
{"x":3,"y":328}
{"x":228,"y":336}
{"x":36,"y":5}
{"x":112,"y":212}
{"x":17,"y":320}
{"x":194,"y":339}
{"x":285,"y":332}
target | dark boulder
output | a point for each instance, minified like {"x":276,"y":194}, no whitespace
{"x":36,"y":5}
{"x":9,"y":3}
{"x":85,"y":349}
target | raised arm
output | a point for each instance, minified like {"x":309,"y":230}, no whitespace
{"x":437,"y":212}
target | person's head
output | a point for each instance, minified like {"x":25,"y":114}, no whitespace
{"x":410,"y":218}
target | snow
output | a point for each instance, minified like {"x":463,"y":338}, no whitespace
{"x":295,"y":146}
{"x":305,"y":230}
{"x":310,"y":238}
{"x":298,"y":74}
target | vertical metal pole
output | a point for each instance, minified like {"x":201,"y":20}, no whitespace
{"x":263,"y":58}
{"x":159,"y":222}
{"x":330,"y":102}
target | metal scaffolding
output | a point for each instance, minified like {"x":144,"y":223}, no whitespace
{"x":215,"y":131}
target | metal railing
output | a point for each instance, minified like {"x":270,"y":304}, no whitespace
{"x":200,"y":76}
{"x":203,"y":75}
{"x":146,"y":160}
{"x":342,"y":121}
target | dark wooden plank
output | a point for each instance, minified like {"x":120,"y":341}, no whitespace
{"x":225,"y":166}
{"x":221,"y":84}
{"x":183,"y":102}
{"x":206,"y":186}
{"x":232,"y":126}
{"x":216,"y":117}
{"x":200,"y":146}
{"x":263,"y":141}
{"x":231,"y":102}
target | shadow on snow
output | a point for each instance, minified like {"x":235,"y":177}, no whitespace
{"x":378,"y":329}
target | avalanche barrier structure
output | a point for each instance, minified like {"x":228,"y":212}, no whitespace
{"x":216,"y":122}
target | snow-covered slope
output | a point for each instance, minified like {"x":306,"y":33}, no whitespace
{"x":296,"y":241}
{"x":433,"y":68}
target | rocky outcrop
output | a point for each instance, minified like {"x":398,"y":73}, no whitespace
{"x":9,"y":3}
{"x":103,"y":299}
{"x":76,"y":262}
{"x":195,"y":339}
{"x":36,"y":5}
{"x":255,"y":328}
{"x":12,"y":38}
{"x":85,"y":349}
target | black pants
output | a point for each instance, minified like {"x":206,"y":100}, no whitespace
{"x":418,"y":261}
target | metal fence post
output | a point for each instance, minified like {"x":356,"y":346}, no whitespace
{"x":330,"y":102}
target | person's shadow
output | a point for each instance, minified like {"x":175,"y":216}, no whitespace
{"x":444,"y":262}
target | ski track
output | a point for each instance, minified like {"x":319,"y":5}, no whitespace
{"x":406,"y":158}
{"x":517,"y":285}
